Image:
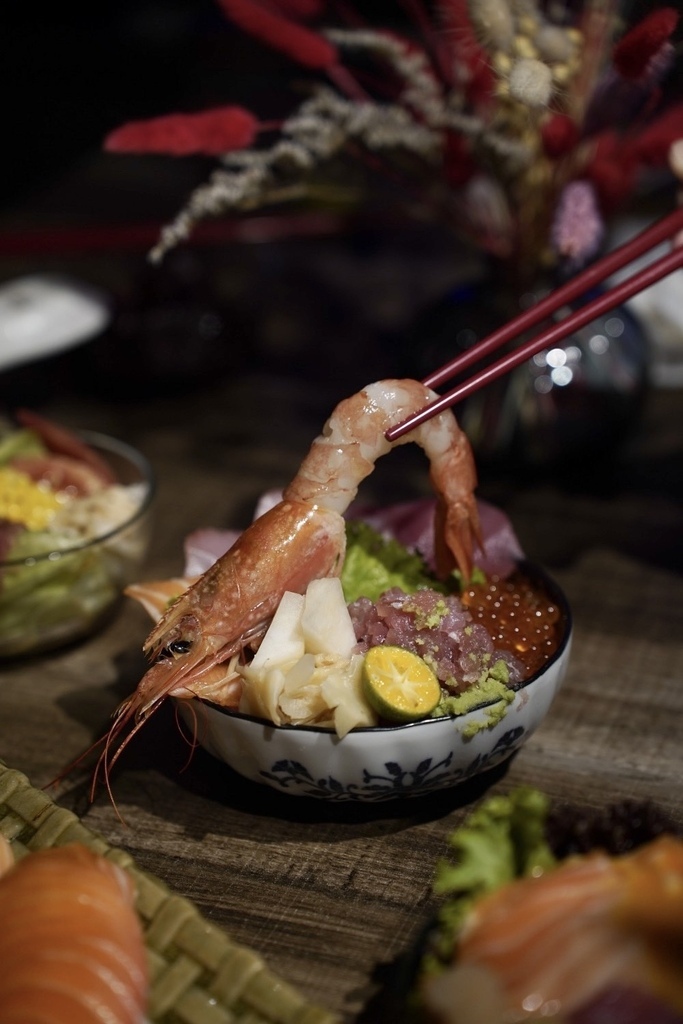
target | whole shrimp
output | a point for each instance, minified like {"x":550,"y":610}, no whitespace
{"x":197,"y":641}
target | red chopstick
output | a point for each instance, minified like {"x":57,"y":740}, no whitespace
{"x":638,"y":246}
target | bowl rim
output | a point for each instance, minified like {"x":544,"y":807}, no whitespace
{"x":106,"y":444}
{"x":535,"y":571}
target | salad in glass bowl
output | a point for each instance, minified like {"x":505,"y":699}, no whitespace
{"x":74,"y":522}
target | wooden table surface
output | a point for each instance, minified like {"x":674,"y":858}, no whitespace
{"x":332,"y":895}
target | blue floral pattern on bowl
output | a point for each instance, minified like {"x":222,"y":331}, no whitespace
{"x":396,"y":781}
{"x":382,"y":763}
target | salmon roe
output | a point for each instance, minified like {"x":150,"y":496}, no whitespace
{"x":519,"y":616}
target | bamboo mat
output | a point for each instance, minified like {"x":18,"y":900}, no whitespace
{"x":198,"y":974}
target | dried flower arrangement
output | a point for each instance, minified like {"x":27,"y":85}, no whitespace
{"x":524,"y":124}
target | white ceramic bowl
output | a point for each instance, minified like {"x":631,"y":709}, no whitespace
{"x":60,"y":596}
{"x":382,"y":763}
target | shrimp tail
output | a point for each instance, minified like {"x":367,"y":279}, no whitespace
{"x":456,"y":535}
{"x":354,"y":437}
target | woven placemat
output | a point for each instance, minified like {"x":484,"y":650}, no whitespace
{"x":198,"y":974}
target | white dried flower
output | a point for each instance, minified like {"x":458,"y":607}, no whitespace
{"x":676,"y":158}
{"x":531,"y":83}
{"x":554,"y":44}
{"x":422,"y":91}
{"x":486,"y":213}
{"x":320,"y":128}
{"x":493,"y":23}
{"x":676,"y":165}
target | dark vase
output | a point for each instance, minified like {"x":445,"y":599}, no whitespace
{"x":569,"y":406}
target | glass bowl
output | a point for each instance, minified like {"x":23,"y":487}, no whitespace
{"x":383,"y":763}
{"x":59,"y":596}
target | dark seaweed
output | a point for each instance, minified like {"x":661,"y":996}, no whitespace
{"x":617,"y":828}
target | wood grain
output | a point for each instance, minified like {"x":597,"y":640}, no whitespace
{"x":334,"y":896}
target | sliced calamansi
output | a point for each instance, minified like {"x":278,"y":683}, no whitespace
{"x":398,"y":684}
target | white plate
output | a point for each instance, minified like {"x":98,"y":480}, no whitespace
{"x":42,"y":314}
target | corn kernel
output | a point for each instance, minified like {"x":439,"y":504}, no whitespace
{"x":24,"y":501}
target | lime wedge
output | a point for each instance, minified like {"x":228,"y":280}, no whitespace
{"x":399,"y":685}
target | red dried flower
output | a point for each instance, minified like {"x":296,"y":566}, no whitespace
{"x":653,"y":143}
{"x":459,"y":162}
{"x":301,"y":44}
{"x":635,"y":50}
{"x":559,"y":135}
{"x":458,"y":99}
{"x":300,"y":8}
{"x":210,"y":132}
{"x":612,"y":170}
{"x":464,"y":52}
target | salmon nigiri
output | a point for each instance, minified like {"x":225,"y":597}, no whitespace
{"x":71,"y":944}
{"x":591,"y":939}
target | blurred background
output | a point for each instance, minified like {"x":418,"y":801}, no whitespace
{"x":334,"y":297}
{"x":71,"y":75}
{"x":66,"y":206}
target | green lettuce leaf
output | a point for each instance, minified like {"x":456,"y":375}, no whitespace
{"x":502,"y":839}
{"x":374,"y":563}
{"x":56,"y":595}
{"x":17,"y":443}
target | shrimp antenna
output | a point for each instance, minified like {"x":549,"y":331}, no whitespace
{"x":74,"y":764}
{"x":107,"y":761}
{"x":104,"y":764}
{"x":193,"y":741}
{"x":106,"y":738}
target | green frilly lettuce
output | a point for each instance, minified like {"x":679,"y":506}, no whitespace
{"x":502,"y":839}
{"x":375,"y":563}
